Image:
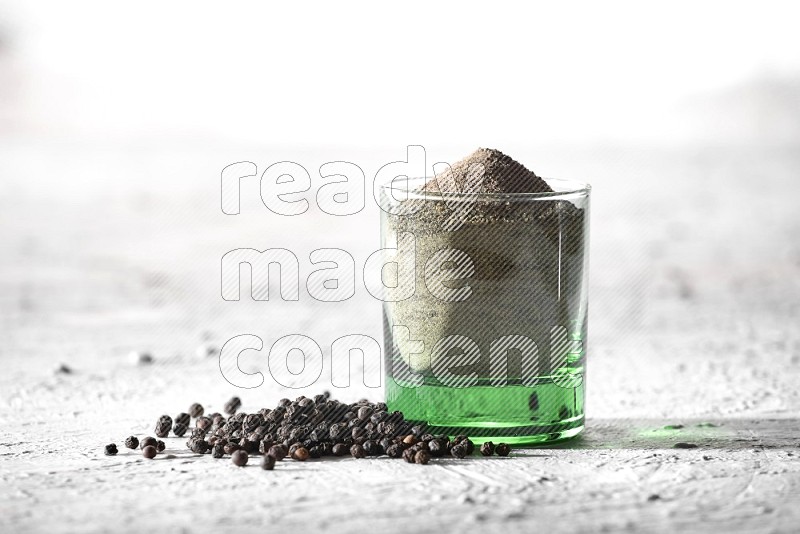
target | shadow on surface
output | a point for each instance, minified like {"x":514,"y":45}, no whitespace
{"x":728,"y":433}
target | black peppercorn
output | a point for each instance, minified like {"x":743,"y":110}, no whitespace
{"x":340,"y":449}
{"x":149,"y":452}
{"x":264,"y":446}
{"x":371,"y":448}
{"x":196,"y":409}
{"x":364,"y":413}
{"x":203,"y":423}
{"x":278,"y":452}
{"x":301,"y":454}
{"x":248,"y":446}
{"x":218,"y":451}
{"x":132,"y":442}
{"x":268,"y":463}
{"x":422,"y":457}
{"x":386,"y":428}
{"x":110,"y":449}
{"x":160,"y":446}
{"x":198,"y":446}
{"x":437,"y":447}
{"x":232,"y":405}
{"x":238,"y":417}
{"x":487,"y":448}
{"x":533,"y":402}
{"x":182,"y":419}
{"x":408,"y":455}
{"x":251,"y":422}
{"x":148,"y":441}
{"x":377,"y":417}
{"x":239,"y":458}
{"x":180,"y":429}
{"x":502,"y":449}
{"x":231,"y":447}
{"x":163,"y":426}
{"x":395,"y":450}
{"x":458,"y":451}
{"x":466,"y":442}
{"x":357,"y":451}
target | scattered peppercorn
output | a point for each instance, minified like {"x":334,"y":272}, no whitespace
{"x":149,"y":452}
{"x":268,"y":463}
{"x":218,"y":451}
{"x":340,"y":449}
{"x":502,"y":449}
{"x":265,"y":445}
{"x":110,"y":449}
{"x":180,"y":429}
{"x":458,"y":451}
{"x":248,"y":446}
{"x":372,"y":449}
{"x":148,"y":441}
{"x":437,"y":447}
{"x":487,"y":448}
{"x":357,"y":451}
{"x":422,"y":457}
{"x":239,"y":458}
{"x":278,"y":451}
{"x":198,"y":446}
{"x":466,"y":442}
{"x":395,"y":450}
{"x":196,"y":409}
{"x":163,"y":426}
{"x":301,"y":454}
{"x":232,"y":405}
{"x":533,"y":402}
{"x":182,"y":419}
{"x":132,"y":442}
{"x":160,"y":446}
{"x":203,"y":423}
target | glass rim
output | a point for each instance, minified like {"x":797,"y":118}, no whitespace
{"x":563,"y":188}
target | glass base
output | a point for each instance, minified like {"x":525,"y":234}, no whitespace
{"x":529,"y":435}
{"x":519,"y":415}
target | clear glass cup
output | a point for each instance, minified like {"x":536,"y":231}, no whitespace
{"x":485,"y":310}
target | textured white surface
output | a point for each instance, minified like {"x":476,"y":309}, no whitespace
{"x":695,"y":306}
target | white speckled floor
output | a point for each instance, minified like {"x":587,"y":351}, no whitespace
{"x":695,"y":314}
